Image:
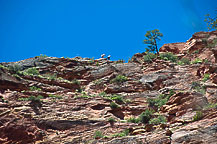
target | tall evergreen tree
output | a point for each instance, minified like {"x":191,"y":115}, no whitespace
{"x":211,"y":22}
{"x":152,"y":37}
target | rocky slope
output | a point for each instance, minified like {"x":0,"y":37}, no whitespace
{"x":166,"y":99}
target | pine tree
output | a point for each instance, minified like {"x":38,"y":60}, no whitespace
{"x":152,"y":37}
{"x":211,"y":22}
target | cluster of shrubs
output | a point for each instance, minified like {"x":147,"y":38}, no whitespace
{"x":198,"y":87}
{"x":149,"y":57}
{"x":17,"y":71}
{"x":160,"y":100}
{"x":184,"y":61}
{"x":147,"y":117}
{"x":34,"y":88}
{"x":99,"y":134}
{"x":168,"y":57}
{"x":32,"y":98}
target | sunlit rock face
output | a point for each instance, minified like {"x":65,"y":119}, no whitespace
{"x":81,"y":100}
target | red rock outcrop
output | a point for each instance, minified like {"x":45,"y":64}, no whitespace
{"x":175,"y":48}
{"x":68,"y":100}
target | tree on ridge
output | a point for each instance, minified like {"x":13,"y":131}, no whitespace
{"x":151,"y":39}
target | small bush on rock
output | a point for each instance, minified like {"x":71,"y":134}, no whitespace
{"x":133,"y":120}
{"x":31,"y":71}
{"x":198,"y":87}
{"x":3,"y":67}
{"x":55,"y":96}
{"x":111,"y":120}
{"x":160,"y":100}
{"x":119,"y":79}
{"x":211,"y":105}
{"x":122,"y":134}
{"x":98,"y":135}
{"x":42,"y":56}
{"x":75,"y":81}
{"x":145,"y":116}
{"x":198,"y":116}
{"x":113,"y":105}
{"x":149,"y":57}
{"x":118,"y":99}
{"x":168,"y":57}
{"x":212,"y":44}
{"x":206,"y":77}
{"x":15,"y":68}
{"x":35,"y":99}
{"x":196,"y":61}
{"x":51,"y":76}
{"x":160,"y":119}
{"x":33,"y":88}
{"x":184,"y":61}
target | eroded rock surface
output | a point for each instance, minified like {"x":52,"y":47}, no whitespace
{"x":48,"y":100}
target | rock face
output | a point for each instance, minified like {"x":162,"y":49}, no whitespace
{"x":48,"y":100}
{"x":175,"y":48}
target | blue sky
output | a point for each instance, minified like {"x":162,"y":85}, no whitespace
{"x":88,"y":28}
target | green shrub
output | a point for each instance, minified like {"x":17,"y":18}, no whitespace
{"x":33,"y":88}
{"x":196,"y":52}
{"x":3,"y":67}
{"x":211,"y":105}
{"x":119,"y":79}
{"x":149,"y":57}
{"x":97,"y":63}
{"x":168,"y":57}
{"x":118,"y":99}
{"x":16,"y":75}
{"x":205,"y":61}
{"x":184,"y":61}
{"x":160,"y":119}
{"x":205,"y":41}
{"x":195,"y":84}
{"x":198,"y":116}
{"x":55,"y":96}
{"x":198,"y":87}
{"x":98,"y":134}
{"x":212,"y":44}
{"x":128,"y":101}
{"x":103,"y":94}
{"x":75,"y":81}
{"x":144,"y":117}
{"x":133,"y":120}
{"x":98,"y":81}
{"x":15,"y":68}
{"x":206,"y":77}
{"x":51,"y":76}
{"x":23,"y":99}
{"x":32,"y":98}
{"x":196,"y":61}
{"x":122,"y":134}
{"x":3,"y":100}
{"x":160,"y":100}
{"x":35,"y":99}
{"x":111,"y":120}
{"x":42,"y":56}
{"x":113,"y":105}
{"x":31,"y":71}
{"x":92,"y":60}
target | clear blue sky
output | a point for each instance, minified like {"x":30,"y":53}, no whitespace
{"x":89,"y":28}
